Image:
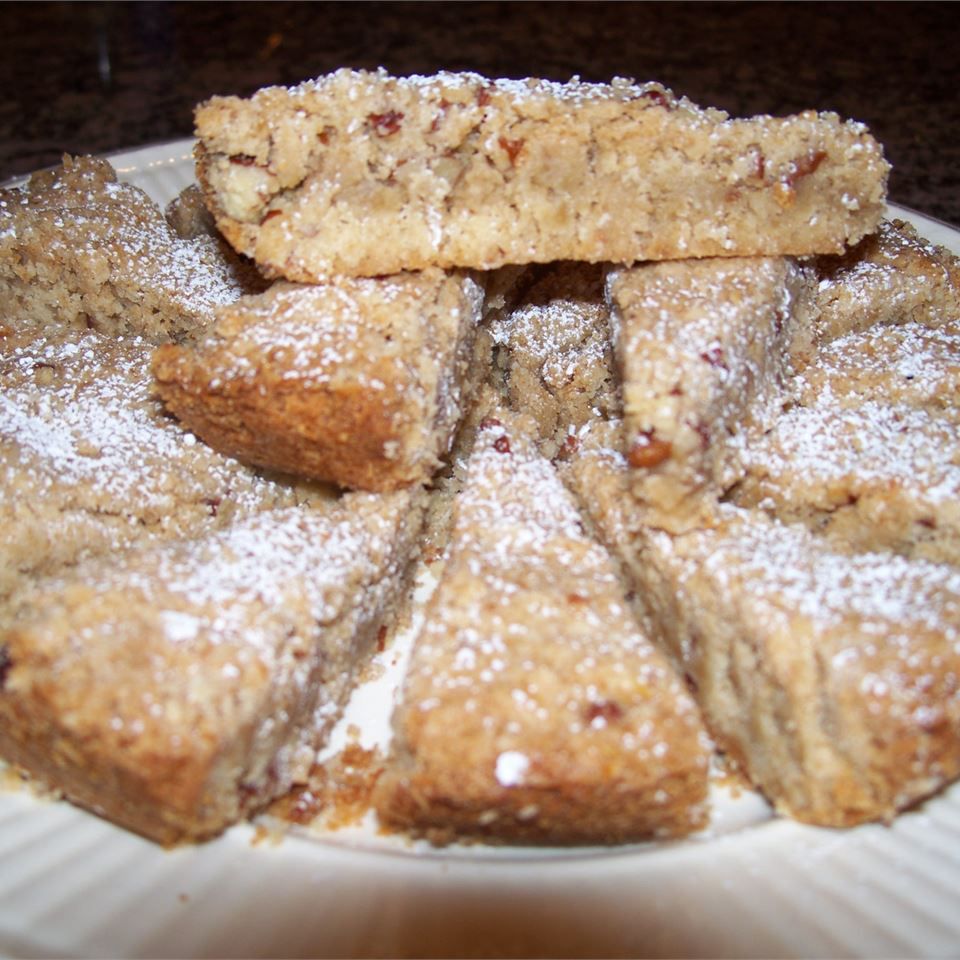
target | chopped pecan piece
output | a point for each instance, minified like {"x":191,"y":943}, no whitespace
{"x":659,"y":98}
{"x":386,"y":124}
{"x":511,"y":147}
{"x":804,"y":166}
{"x":606,"y":710}
{"x":648,"y":450}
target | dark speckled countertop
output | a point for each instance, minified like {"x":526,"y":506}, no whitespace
{"x":97,"y":77}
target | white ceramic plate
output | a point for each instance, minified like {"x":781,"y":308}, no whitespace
{"x":73,"y":885}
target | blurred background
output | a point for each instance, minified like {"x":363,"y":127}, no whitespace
{"x":98,"y":77}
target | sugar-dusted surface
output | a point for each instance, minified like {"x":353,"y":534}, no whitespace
{"x":778,"y":890}
{"x":91,"y":463}
{"x":704,"y":349}
{"x":78,"y":248}
{"x":893,"y":276}
{"x":360,"y":382}
{"x":867,"y":454}
{"x":220,"y":662}
{"x":877,"y":444}
{"x":828,"y":676}
{"x":553,"y":353}
{"x":534,"y":707}
{"x":365,"y":173}
{"x":877,"y":475}
{"x":909,"y":363}
{"x":794,"y":573}
{"x":831,"y":677}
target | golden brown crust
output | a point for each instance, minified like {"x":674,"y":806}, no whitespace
{"x":535,"y":709}
{"x":358,"y":382}
{"x":190,"y":685}
{"x":362,"y":173}
{"x":91,"y":463}
{"x":704,"y":350}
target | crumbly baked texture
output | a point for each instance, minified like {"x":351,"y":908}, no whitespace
{"x":360,"y":382}
{"x":362,"y":173}
{"x":189,"y":218}
{"x":225,"y":619}
{"x":534,"y":708}
{"x":704,"y":349}
{"x":553,"y":353}
{"x":186,"y":687}
{"x":825,"y":675}
{"x":80,"y":249}
{"x":908,"y":363}
{"x":91,"y":463}
{"x":823,"y":665}
{"x":830,"y":677}
{"x":892,"y":276}
{"x":868,"y":453}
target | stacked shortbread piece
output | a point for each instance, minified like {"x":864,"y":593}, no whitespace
{"x":674,"y":403}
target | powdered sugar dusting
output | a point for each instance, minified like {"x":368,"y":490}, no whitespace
{"x":279,"y":558}
{"x":911,"y":363}
{"x":90,"y":249}
{"x":313,"y":333}
{"x":786,"y":567}
{"x":556,"y":336}
{"x":263,"y":588}
{"x":78,"y":412}
{"x":874,"y":445}
{"x":530,"y":657}
{"x":363,"y":85}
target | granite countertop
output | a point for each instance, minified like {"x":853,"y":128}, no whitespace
{"x":96,"y":77}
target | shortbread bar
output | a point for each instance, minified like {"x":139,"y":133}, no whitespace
{"x":829,"y":677}
{"x":359,"y":382}
{"x":183,"y":689}
{"x":80,"y":249}
{"x":868,"y":453}
{"x":553,"y":355}
{"x":361,"y":173}
{"x":891,"y":276}
{"x":825,"y":676}
{"x":91,"y":463}
{"x":534,"y":708}
{"x":704,"y":349}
